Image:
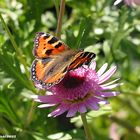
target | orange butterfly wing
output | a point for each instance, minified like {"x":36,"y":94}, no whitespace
{"x":54,"y":59}
{"x":81,"y":58}
{"x":46,"y":45}
{"x":46,"y":73}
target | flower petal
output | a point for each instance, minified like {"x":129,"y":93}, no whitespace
{"x":53,"y":99}
{"x":46,"y":105}
{"x":109,"y":83}
{"x":111,"y":86}
{"x":82,"y":108}
{"x":107,"y":75}
{"x":102,"y":69}
{"x":103,"y":102}
{"x":72,"y":111}
{"x":93,"y":65}
{"x":59,"y":110}
{"x":108,"y":94}
{"x":92,"y":105}
{"x":99,"y":100}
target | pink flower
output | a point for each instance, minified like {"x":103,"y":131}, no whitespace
{"x":128,"y":2}
{"x":131,"y":2}
{"x":81,"y":89}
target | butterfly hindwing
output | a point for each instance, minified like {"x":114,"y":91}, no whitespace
{"x":38,"y":69}
{"x":48,"y":72}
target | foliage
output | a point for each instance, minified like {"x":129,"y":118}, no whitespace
{"x":112,"y":32}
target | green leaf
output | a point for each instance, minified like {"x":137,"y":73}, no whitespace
{"x":102,"y":111}
{"x":11,"y":67}
{"x":6,"y":107}
{"x":83,"y":34}
{"x":82,"y":40}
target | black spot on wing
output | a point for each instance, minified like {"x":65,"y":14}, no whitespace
{"x":58,"y":45}
{"x":46,"y":36}
{"x":84,"y":58}
{"x":53,"y":40}
{"x":91,"y":55}
{"x":48,"y":52}
{"x":88,"y":55}
{"x":85,"y":54}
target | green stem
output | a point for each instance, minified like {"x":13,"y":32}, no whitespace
{"x":30,"y":115}
{"x":61,"y":13}
{"x":56,"y":7}
{"x":87,"y":132}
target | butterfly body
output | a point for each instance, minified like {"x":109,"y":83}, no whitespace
{"x":54,"y":59}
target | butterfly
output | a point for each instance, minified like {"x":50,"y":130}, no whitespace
{"x":54,"y":59}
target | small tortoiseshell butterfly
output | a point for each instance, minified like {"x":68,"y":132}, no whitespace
{"x":54,"y":59}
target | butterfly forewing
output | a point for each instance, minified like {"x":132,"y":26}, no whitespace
{"x":80,"y":59}
{"x":46,"y":45}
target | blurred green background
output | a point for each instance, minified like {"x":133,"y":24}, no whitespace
{"x":112,"y":32}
